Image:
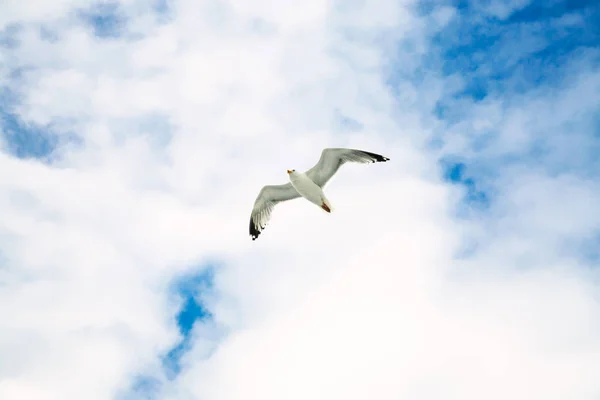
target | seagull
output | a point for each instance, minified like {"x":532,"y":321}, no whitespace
{"x":307,"y":184}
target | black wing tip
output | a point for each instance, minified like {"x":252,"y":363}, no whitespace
{"x":376,"y":157}
{"x":253,"y":231}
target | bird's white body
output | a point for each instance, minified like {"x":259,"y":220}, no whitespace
{"x":309,"y":190}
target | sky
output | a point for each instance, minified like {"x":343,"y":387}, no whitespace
{"x":135,"y":136}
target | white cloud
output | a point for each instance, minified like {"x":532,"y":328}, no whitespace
{"x":501,"y":9}
{"x":368,"y":301}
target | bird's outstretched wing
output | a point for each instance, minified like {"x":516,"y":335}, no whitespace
{"x":268,"y":198}
{"x":332,"y":159}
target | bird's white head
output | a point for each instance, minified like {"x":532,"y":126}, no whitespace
{"x":291,"y":171}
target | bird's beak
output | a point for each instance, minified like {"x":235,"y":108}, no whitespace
{"x":289,"y":172}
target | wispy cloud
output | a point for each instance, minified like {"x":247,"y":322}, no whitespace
{"x":135,"y":137}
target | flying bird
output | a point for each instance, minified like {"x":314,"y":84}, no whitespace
{"x":307,"y":184}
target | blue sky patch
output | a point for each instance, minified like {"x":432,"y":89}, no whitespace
{"x":456,"y":173}
{"x":520,"y":52}
{"x":539,"y":48}
{"x":549,"y":9}
{"x":144,"y":387}
{"x":22,"y":139}
{"x":190,"y":289}
{"x":105,"y":19}
{"x":26,"y":140}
